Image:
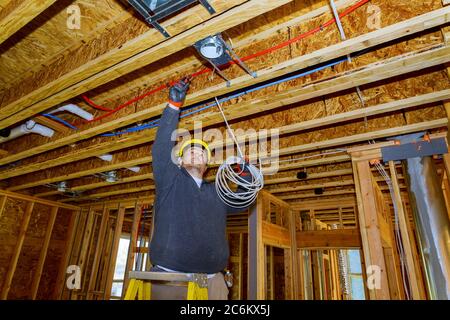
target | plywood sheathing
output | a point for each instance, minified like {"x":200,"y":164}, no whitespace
{"x":355,"y":25}
{"x":47,"y":48}
{"x":9,"y":228}
{"x":396,"y":89}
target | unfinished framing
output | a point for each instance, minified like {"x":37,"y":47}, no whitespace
{"x":334,"y":101}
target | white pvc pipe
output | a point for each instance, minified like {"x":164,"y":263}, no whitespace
{"x":28,"y":127}
{"x":72,"y":108}
{"x":106,"y":157}
{"x":135,"y":169}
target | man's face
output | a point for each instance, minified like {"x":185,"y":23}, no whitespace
{"x":195,"y":157}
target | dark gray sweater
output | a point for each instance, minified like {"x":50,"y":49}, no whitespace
{"x":190,"y":222}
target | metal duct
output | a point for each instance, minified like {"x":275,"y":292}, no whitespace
{"x":432,"y":223}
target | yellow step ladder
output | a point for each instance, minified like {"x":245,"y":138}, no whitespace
{"x":140,"y":284}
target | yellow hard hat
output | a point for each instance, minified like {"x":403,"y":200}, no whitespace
{"x":193,"y":142}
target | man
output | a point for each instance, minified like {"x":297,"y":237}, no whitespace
{"x":189,"y":233}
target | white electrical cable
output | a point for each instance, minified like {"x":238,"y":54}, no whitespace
{"x":339,"y":25}
{"x":227,"y":175}
{"x":388,"y":180}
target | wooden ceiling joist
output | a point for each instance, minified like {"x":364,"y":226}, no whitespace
{"x":137,"y":53}
{"x":149,"y":176}
{"x":324,"y":204}
{"x":84,"y":173}
{"x":396,"y":31}
{"x":146,"y":160}
{"x":388,"y":107}
{"x":132,"y":140}
{"x":382,"y":70}
{"x":313,"y":195}
{"x":58,"y":127}
{"x":311,"y":176}
{"x":150,"y":187}
{"x":186,"y":64}
{"x":16,"y":14}
{"x":312,"y":186}
{"x":37,"y":200}
{"x":362,"y":137}
{"x":97,"y":196}
{"x":81,"y":188}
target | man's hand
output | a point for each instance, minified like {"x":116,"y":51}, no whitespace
{"x":177,"y":93}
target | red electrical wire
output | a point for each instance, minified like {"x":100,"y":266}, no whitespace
{"x":93,"y":105}
{"x":206,"y":70}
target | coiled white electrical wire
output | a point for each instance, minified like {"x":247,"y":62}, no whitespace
{"x":227,"y":176}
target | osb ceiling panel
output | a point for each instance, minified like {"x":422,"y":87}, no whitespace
{"x":48,"y":36}
{"x":185,"y":62}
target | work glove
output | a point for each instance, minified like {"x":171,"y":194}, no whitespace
{"x":177,"y":93}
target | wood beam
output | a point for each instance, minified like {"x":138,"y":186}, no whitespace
{"x":43,"y":253}
{"x":3,"y":153}
{"x":276,"y":236}
{"x":313,"y":195}
{"x":371,"y":73}
{"x":346,"y":140}
{"x":309,"y":12}
{"x":147,"y":176}
{"x":113,"y":256}
{"x":312,"y":186}
{"x":400,"y":65}
{"x":289,"y":166}
{"x":58,"y":127}
{"x":256,"y":253}
{"x":96,"y":196}
{"x":132,"y":246}
{"x":72,"y":227}
{"x":368,"y":217}
{"x":3,"y":200}
{"x":98,"y":253}
{"x":329,"y":239}
{"x":393,"y":32}
{"x":127,"y":203}
{"x":85,"y":243}
{"x":320,"y":145}
{"x":346,"y":116}
{"x":134,"y":55}
{"x":210,"y":179}
{"x":18,"y":14}
{"x":405,"y":235}
{"x":324,"y":204}
{"x":17,"y":250}
{"x":433,"y":124}
{"x":282,"y":152}
{"x":146,"y":160}
{"x":79,"y":174}
{"x":37,"y":200}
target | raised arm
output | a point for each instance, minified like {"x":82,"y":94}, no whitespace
{"x":163,"y":167}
